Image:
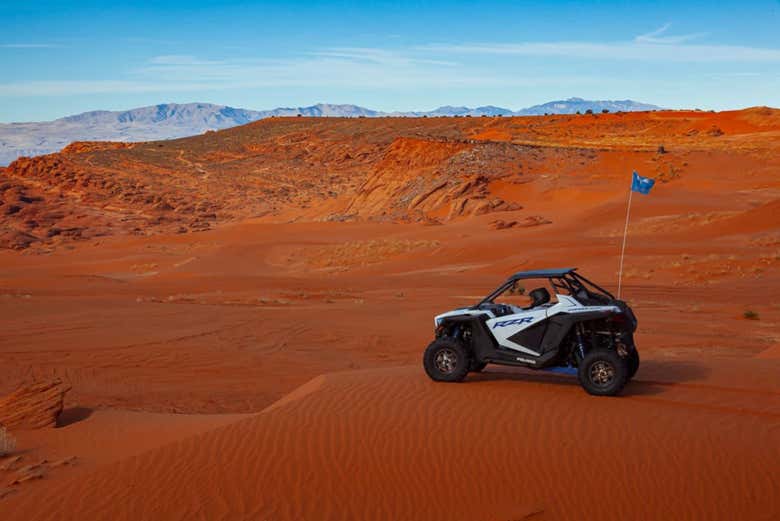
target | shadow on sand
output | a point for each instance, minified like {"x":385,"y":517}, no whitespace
{"x":656,"y":376}
{"x":73,"y":415}
{"x":653,"y":377}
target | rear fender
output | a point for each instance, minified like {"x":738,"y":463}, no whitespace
{"x":559,"y":325}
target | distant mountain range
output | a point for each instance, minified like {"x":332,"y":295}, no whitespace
{"x":171,"y":120}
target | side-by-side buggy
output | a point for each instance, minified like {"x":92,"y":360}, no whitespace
{"x":566,"y":323}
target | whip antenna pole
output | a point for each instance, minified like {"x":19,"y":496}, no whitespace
{"x":623,"y":249}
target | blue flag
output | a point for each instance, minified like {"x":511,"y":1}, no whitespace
{"x":641,"y":184}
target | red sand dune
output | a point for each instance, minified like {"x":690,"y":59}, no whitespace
{"x":770,"y":352}
{"x":390,"y":444}
{"x":306,"y":299}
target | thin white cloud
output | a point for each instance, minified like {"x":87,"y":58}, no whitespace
{"x":143,"y":40}
{"x":343,"y":67}
{"x":634,"y":50}
{"x":28,"y":45}
{"x":659,"y":36}
{"x":380,"y":56}
{"x":429,"y":67}
{"x":79,"y":87}
{"x":181,"y":59}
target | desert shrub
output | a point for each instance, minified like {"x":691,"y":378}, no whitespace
{"x":605,"y":111}
{"x":661,"y":149}
{"x":7,"y":442}
{"x":750,"y":315}
{"x":589,"y":111}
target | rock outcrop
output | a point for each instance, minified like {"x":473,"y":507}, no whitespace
{"x":33,"y":406}
{"x":446,"y":178}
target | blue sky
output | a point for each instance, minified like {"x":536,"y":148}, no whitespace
{"x":60,"y":58}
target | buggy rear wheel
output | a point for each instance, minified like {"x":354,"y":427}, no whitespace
{"x":446,"y":360}
{"x":603,"y":373}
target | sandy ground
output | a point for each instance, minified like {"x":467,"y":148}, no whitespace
{"x":271,"y":370}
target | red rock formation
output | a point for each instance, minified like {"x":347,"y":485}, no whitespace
{"x":335,"y":169}
{"x":33,"y":406}
{"x":531,"y":220}
{"x":78,"y":147}
{"x":7,"y":446}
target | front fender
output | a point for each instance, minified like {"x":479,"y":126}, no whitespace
{"x":483,"y":344}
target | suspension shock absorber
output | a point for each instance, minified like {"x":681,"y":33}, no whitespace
{"x":456,"y":333}
{"x":580,"y":341}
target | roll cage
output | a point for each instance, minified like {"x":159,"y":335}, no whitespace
{"x":565,"y":281}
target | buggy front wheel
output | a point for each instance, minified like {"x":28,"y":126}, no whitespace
{"x":446,"y":360}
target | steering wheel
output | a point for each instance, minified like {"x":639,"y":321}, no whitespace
{"x":498,"y":310}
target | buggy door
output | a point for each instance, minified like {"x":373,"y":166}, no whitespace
{"x":522,"y":331}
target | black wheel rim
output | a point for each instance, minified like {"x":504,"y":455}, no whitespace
{"x":602,"y":373}
{"x":446,"y":360}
